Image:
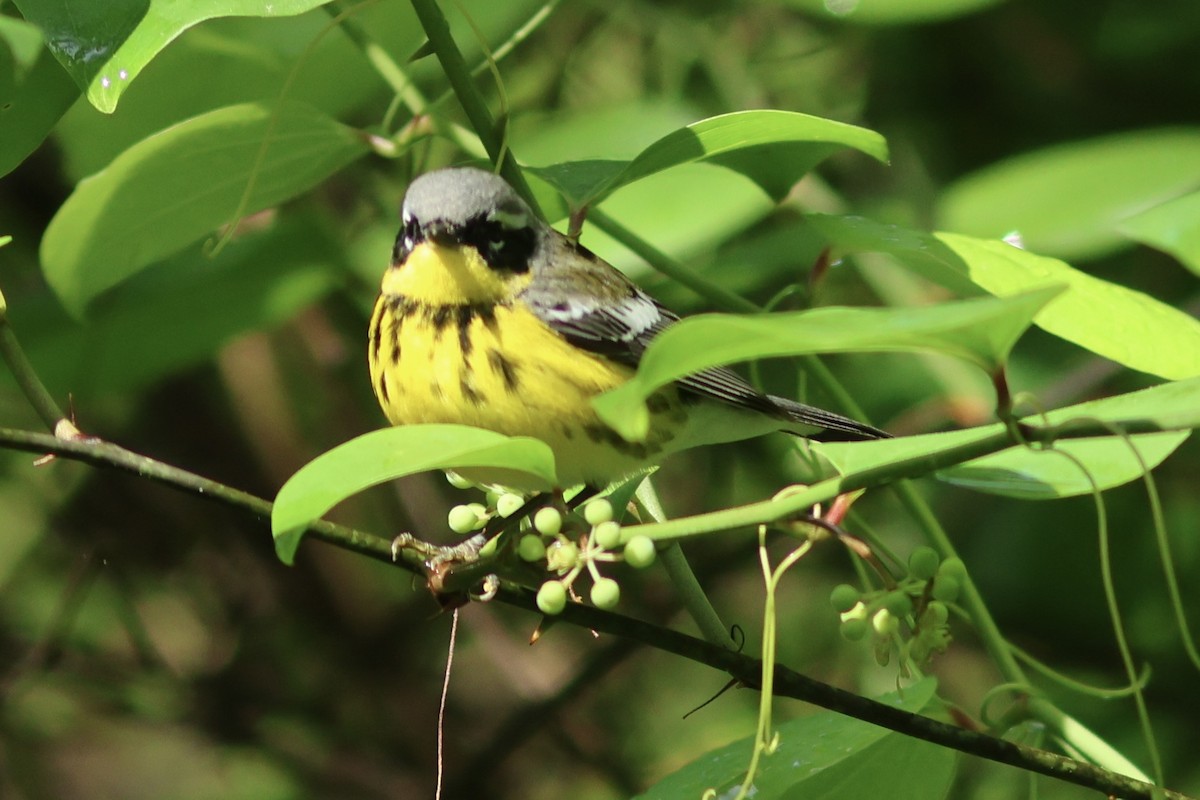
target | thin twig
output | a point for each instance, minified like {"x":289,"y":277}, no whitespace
{"x":743,"y":668}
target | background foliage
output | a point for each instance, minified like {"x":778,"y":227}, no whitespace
{"x":153,"y":645}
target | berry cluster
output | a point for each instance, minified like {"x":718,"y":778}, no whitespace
{"x":567,"y":544}
{"x":913,"y":614}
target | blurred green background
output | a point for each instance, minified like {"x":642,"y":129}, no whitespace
{"x":152,"y":646}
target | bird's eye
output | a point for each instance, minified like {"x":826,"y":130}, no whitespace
{"x":409,"y":237}
{"x":502,"y":246}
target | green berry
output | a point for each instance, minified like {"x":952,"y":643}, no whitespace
{"x":923,"y":563}
{"x":462,"y":519}
{"x":858,"y":611}
{"x":953,"y":568}
{"x":885,"y":622}
{"x":552,"y":598}
{"x":508,"y":504}
{"x":598,"y":511}
{"x":607,"y":534}
{"x":853,"y":630}
{"x":458,"y":481}
{"x":945,"y":588}
{"x":548,"y":521}
{"x":606,"y":593}
{"x":640,"y":552}
{"x":844,"y":597}
{"x":898,"y":603}
{"x":935,"y":614}
{"x":561,"y":555}
{"x":531,"y":548}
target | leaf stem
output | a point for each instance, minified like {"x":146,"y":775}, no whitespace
{"x":461,"y":81}
{"x":687,"y":586}
{"x":27,"y":378}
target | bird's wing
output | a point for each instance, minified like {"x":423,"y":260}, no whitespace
{"x":607,"y":314}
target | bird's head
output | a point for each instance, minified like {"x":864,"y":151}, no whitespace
{"x":467,"y":237}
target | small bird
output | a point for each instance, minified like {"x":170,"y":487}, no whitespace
{"x":489,"y":317}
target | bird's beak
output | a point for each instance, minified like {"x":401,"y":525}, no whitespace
{"x":442,"y":234}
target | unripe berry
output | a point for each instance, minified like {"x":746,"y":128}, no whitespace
{"x":462,"y":519}
{"x":561,"y":556}
{"x":935,"y":614}
{"x":531,"y":548}
{"x":844,"y":597}
{"x":598,"y":511}
{"x":509,"y":504}
{"x":607,"y":534}
{"x":898,"y":603}
{"x":458,"y":481}
{"x":640,"y":552}
{"x":884,"y":622}
{"x":945,"y":588}
{"x":548,"y":521}
{"x":923,"y":563}
{"x":853,"y":630}
{"x":953,"y":568}
{"x":606,"y":593}
{"x":552,"y":598}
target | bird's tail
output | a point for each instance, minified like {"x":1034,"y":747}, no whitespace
{"x":835,"y":427}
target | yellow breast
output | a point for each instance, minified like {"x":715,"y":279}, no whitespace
{"x":447,"y":350}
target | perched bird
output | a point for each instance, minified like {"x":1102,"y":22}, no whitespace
{"x":489,"y":317}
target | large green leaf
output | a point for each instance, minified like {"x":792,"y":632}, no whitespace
{"x":891,"y":12}
{"x":1173,"y":227}
{"x":773,"y":148}
{"x":171,"y":189}
{"x":981,"y":331}
{"x":105,"y":45}
{"x":180,"y":312}
{"x":1069,"y":200}
{"x":1038,"y":474}
{"x":826,"y":756}
{"x":34,"y":92}
{"x":1118,"y":323}
{"x":391,"y":453}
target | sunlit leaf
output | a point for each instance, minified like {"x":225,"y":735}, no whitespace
{"x":1038,"y":474}
{"x":171,"y":189}
{"x":1173,"y":227}
{"x":391,"y":453}
{"x":891,"y":12}
{"x":105,"y":45}
{"x":981,"y":331}
{"x":1068,"y":469}
{"x":1069,"y":200}
{"x":773,"y":148}
{"x":1111,"y":320}
{"x":826,"y":755}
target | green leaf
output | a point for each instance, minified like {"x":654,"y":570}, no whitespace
{"x":1118,"y":323}
{"x":1069,"y":200}
{"x":1173,"y":227}
{"x":772,"y":148}
{"x":180,"y":312}
{"x":1036,"y":474}
{"x":826,"y":755}
{"x":105,"y":45}
{"x":891,"y":12}
{"x":34,"y":92}
{"x":981,"y":331}
{"x":391,"y":453}
{"x":177,"y":186}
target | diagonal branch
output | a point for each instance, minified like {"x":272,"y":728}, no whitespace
{"x":745,"y":669}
